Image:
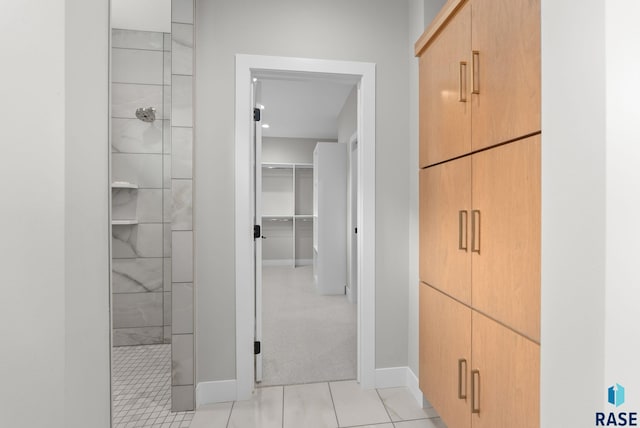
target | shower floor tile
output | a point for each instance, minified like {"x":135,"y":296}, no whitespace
{"x":141,"y":384}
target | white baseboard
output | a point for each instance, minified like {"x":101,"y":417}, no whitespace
{"x":394,"y":377}
{"x":216,"y":392}
{"x":414,"y":387}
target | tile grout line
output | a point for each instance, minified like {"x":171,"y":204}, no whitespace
{"x":335,"y":412}
{"x":385,"y":407}
{"x":233,"y":403}
{"x":283,"y":406}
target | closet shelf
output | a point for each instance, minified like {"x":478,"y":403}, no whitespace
{"x":277,"y":218}
{"x":124,"y":222}
{"x":123,"y":185}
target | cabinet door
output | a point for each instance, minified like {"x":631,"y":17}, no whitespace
{"x":445,"y":200}
{"x":507,"y":392}
{"x":445,"y":339}
{"x":506,"y":244}
{"x":445,"y":116}
{"x":506,"y":37}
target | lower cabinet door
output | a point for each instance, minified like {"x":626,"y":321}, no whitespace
{"x":445,"y":356}
{"x":504,"y":378}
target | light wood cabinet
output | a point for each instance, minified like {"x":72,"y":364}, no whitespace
{"x":506,"y":248}
{"x":445,"y":355}
{"x":445,"y":96}
{"x":505,"y":70}
{"x":480,"y":213}
{"x":445,"y":204}
{"x":479,"y":77}
{"x":505,"y":374}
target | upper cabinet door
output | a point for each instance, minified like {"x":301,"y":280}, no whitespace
{"x":505,"y":234}
{"x":505,"y":69}
{"x":445,"y":209}
{"x":445,"y":92}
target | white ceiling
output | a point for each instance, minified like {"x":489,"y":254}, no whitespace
{"x":302,"y":106}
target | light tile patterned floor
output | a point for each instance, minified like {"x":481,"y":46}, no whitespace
{"x":141,"y":383}
{"x":320,"y":405}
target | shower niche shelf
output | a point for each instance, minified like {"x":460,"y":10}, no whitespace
{"x":124,"y":222}
{"x":123,"y":185}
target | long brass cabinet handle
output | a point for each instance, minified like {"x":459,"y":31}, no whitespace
{"x":475,"y":231}
{"x":463,"y":82}
{"x":462,"y":377}
{"x":475,"y":391}
{"x":475,"y":78}
{"x":462,"y":224}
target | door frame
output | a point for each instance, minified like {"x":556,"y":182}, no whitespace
{"x":365,"y":74}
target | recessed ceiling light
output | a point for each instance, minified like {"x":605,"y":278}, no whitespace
{"x":255,"y":79}
{"x":265,"y":125}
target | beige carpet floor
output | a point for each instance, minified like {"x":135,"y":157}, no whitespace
{"x":307,"y":337}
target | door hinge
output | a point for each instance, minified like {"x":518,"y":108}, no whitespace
{"x":257,"y":233}
{"x":256,"y":347}
{"x":256,"y":114}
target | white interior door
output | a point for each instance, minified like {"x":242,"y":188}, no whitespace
{"x":257,"y":173}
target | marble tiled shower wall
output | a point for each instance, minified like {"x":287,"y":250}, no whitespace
{"x":141,"y":155}
{"x":182,"y":346}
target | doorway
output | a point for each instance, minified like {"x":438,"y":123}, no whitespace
{"x":305,"y":324}
{"x":363,"y":75}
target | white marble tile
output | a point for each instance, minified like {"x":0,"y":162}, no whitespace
{"x":402,"y":406}
{"x":132,"y":39}
{"x":182,"y":308}
{"x":167,"y":309}
{"x":308,"y":406}
{"x":166,"y":200}
{"x":145,"y":170}
{"x":182,"y":257}
{"x":137,"y":66}
{"x":181,"y":100}
{"x":167,"y":238}
{"x":167,"y":93}
{"x":145,"y":205}
{"x":182,"y":152}
{"x":182,"y":206}
{"x":422,"y":423}
{"x":166,"y":137}
{"x":182,"y":359}
{"x":182,"y":398}
{"x":182,"y":49}
{"x":136,"y":136}
{"x":137,"y":310}
{"x":167,"y":68}
{"x":126,"y":98}
{"x":355,"y":406}
{"x":212,"y":416}
{"x":142,"y":240}
{"x":263,"y":410}
{"x":166,"y":171}
{"x":167,"y":274}
{"x":182,"y":11}
{"x":137,"y":336}
{"x":374,"y":426}
{"x":137,"y":275}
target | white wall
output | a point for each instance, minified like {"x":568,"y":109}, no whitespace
{"x":361,"y":30}
{"x":54,"y":309}
{"x":348,"y":119}
{"x":288,"y":150}
{"x":32,"y":318}
{"x":143,"y":15}
{"x":573,"y":212}
{"x":622,"y":319}
{"x":87,"y":191}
